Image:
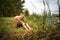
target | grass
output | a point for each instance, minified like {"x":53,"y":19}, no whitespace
{"x":7,"y":29}
{"x":36,"y":23}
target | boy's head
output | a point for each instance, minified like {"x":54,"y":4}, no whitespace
{"x":22,"y":16}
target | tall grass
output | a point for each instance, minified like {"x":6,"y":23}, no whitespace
{"x":7,"y":32}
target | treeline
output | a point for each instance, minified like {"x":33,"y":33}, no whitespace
{"x":11,"y":7}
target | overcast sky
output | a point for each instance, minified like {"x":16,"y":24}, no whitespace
{"x":38,"y":7}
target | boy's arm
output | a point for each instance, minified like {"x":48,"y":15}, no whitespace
{"x":15,"y":23}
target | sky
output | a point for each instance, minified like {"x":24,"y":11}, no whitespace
{"x":38,"y":7}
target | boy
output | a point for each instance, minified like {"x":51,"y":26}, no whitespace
{"x":19,"y":22}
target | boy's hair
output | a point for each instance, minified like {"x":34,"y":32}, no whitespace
{"x":22,"y":15}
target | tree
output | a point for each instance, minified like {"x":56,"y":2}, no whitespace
{"x":59,"y":9}
{"x":26,"y":12}
{"x":11,"y":7}
{"x":58,"y":24}
{"x":49,"y":13}
{"x":44,"y":13}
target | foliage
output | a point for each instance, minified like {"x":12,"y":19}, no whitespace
{"x":35,"y":22}
{"x":26,"y":12}
{"x":11,"y":7}
{"x":43,"y":27}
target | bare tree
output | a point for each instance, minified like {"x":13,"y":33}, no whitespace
{"x":44,"y":13}
{"x":48,"y":8}
{"x":58,"y":24}
{"x":59,"y":9}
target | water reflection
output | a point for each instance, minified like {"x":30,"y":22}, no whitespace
{"x":52,"y":20}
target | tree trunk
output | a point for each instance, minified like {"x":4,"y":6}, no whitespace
{"x":59,"y":10}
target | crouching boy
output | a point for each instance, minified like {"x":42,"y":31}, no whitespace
{"x":19,"y":22}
